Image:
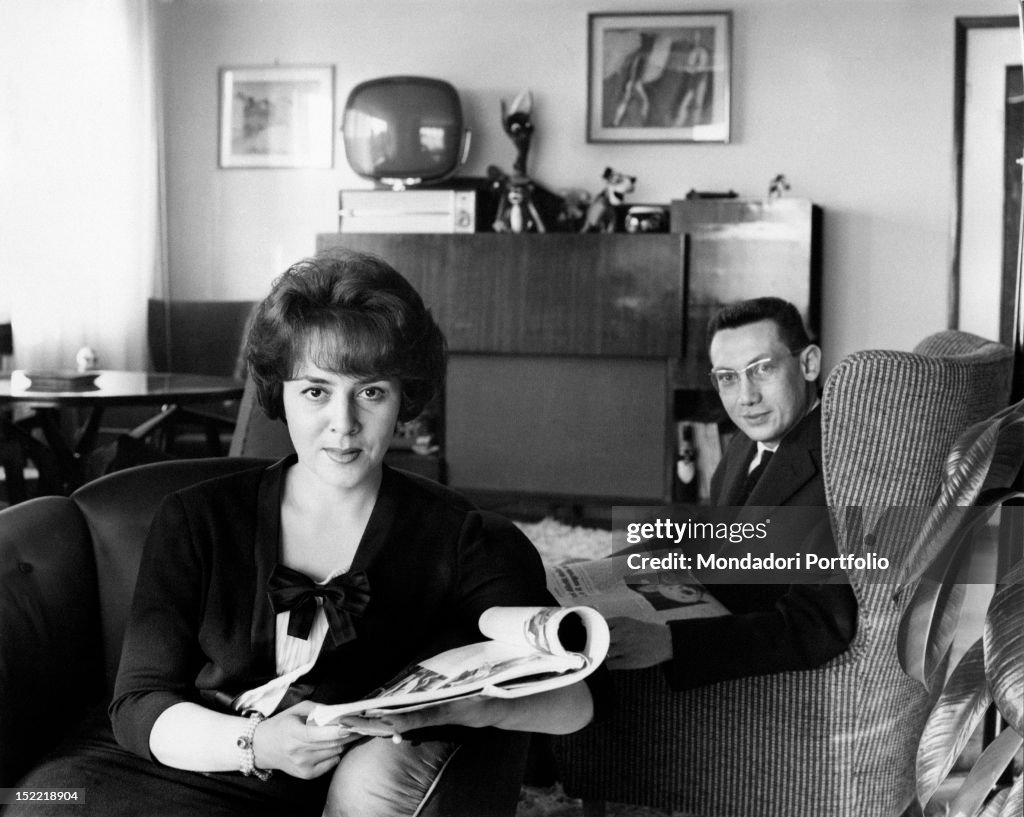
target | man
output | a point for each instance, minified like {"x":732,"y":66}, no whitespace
{"x":765,"y":370}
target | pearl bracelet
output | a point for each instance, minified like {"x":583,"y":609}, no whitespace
{"x":247,"y":754}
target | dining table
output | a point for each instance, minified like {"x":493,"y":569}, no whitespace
{"x":53,"y":418}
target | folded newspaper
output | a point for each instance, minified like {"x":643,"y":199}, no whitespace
{"x":530,"y":650}
{"x":628,"y":587}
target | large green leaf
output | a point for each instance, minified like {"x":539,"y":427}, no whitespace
{"x":986,"y":772}
{"x":1007,"y":802}
{"x":987,"y":456}
{"x":952,"y":721}
{"x":931,"y":620}
{"x":994,"y":807}
{"x":946,"y":531}
{"x":1013,"y":806}
{"x":1004,"y":647}
{"x":1006,"y":456}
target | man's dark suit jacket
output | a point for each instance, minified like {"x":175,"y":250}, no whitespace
{"x":793,"y":477}
{"x":773,"y":627}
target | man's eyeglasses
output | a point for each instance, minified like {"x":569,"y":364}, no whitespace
{"x":760,"y":372}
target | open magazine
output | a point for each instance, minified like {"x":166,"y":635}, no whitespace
{"x":615,"y":590}
{"x":530,"y":650}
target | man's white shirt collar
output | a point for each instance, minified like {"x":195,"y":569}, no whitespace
{"x":762,"y":447}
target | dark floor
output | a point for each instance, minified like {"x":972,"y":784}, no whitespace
{"x":553,"y":802}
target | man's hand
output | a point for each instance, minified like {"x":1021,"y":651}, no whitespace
{"x":637,"y":644}
{"x":286,"y":742}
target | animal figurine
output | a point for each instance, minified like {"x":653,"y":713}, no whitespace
{"x":575,"y":202}
{"x":517,"y":212}
{"x":86,"y":359}
{"x":517,"y":122}
{"x":777,"y":186}
{"x":601,"y":215}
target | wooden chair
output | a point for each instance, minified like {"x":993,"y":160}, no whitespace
{"x":255,"y":435}
{"x":195,"y":337}
{"x":839,"y":740}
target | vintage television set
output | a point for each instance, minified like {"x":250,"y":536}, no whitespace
{"x":406,"y":134}
{"x":404,"y":131}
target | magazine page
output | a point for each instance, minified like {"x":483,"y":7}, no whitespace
{"x":531,"y":650}
{"x":617,"y":587}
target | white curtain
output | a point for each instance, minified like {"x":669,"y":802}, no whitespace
{"x":80,"y":215}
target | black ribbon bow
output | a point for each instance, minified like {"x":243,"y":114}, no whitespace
{"x":343,"y":596}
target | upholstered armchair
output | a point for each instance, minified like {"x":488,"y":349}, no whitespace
{"x":838,"y":741}
{"x":67,"y":574}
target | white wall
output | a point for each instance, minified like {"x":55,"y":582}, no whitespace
{"x":851,"y":99}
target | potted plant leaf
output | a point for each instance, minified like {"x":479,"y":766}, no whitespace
{"x":982,"y":472}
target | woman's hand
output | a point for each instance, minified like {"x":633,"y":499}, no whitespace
{"x":637,"y":644}
{"x":286,"y":742}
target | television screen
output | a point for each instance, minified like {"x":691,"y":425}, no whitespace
{"x":403,"y":130}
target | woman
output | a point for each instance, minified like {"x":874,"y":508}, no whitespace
{"x":317,"y":579}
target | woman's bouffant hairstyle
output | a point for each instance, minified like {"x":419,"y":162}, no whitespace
{"x":349,"y":313}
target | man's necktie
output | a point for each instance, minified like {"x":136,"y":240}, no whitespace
{"x":343,"y":596}
{"x":755,"y":475}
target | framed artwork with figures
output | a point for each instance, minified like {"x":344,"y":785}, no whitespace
{"x":659,"y":77}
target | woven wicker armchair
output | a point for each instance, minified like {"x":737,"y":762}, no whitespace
{"x":839,"y":740}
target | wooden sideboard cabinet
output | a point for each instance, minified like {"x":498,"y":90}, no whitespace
{"x":567,"y":352}
{"x":745,"y":248}
{"x":542,"y":294}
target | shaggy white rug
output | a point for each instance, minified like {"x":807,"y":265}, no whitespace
{"x":558,"y":543}
{"x":553,"y":802}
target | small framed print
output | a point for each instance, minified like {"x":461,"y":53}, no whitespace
{"x":659,"y":77}
{"x":280,"y":116}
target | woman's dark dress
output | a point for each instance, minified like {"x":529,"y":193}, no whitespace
{"x":201,"y":624}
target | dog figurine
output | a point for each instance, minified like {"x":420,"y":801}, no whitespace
{"x":601,"y":214}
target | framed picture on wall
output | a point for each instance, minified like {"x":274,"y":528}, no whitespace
{"x":659,"y":77}
{"x":280,"y":116}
